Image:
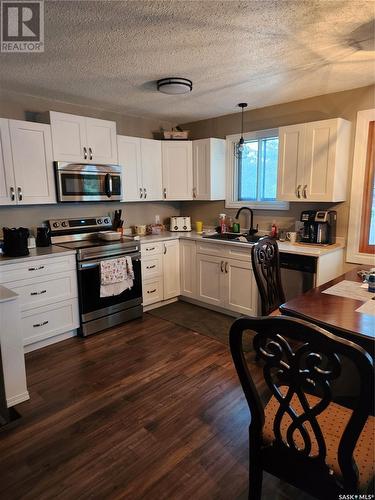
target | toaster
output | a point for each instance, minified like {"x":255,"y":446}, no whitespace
{"x":180,"y":224}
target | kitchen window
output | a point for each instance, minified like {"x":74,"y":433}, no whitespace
{"x":361,"y":231}
{"x":252,"y":178}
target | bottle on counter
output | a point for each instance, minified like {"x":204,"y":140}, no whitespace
{"x":223,"y":223}
{"x":274,"y":230}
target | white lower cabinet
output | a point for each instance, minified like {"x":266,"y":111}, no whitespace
{"x":171,"y":269}
{"x":160,"y":271}
{"x":188,"y":268}
{"x":226,"y":282}
{"x":48,"y":297}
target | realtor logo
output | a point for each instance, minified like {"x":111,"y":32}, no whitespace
{"x":22,"y":26}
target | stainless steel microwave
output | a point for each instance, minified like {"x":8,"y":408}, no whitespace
{"x":88,"y":182}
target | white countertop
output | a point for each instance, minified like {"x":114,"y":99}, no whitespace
{"x":37,"y":253}
{"x":6,"y":294}
{"x":284,"y":246}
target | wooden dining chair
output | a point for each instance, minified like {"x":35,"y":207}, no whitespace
{"x":298,"y":433}
{"x":266,"y":268}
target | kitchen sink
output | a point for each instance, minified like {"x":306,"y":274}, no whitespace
{"x":235,"y":237}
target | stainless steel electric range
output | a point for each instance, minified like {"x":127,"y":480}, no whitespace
{"x":81,"y":234}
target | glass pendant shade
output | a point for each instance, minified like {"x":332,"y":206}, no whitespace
{"x":240,"y":146}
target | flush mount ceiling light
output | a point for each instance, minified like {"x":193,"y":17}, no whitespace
{"x":239,"y":147}
{"x":175,"y":85}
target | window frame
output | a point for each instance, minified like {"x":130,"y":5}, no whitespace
{"x":231,"y":200}
{"x":360,"y":177}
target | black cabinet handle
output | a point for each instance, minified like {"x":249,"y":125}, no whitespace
{"x":36,"y":268}
{"x":151,"y":291}
{"x":40,"y":324}
{"x":38,"y":293}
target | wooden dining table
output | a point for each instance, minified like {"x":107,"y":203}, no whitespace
{"x":334,"y":313}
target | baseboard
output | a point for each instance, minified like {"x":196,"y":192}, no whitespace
{"x":160,"y":304}
{"x":19,"y":398}
{"x":49,"y":341}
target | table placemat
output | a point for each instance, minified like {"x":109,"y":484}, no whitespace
{"x":350,"y":290}
{"x":367,"y":308}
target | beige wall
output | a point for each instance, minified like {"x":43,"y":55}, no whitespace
{"x":14,"y":105}
{"x":342,"y":104}
{"x":133,"y":213}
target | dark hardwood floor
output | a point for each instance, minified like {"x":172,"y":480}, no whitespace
{"x":146,"y":410}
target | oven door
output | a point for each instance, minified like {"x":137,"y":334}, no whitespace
{"x":77,"y":182}
{"x":92,"y":306}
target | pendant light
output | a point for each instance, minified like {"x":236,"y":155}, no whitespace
{"x":239,"y":147}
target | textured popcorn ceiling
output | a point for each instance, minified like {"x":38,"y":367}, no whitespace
{"x":109,"y":53}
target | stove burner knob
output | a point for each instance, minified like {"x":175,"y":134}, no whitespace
{"x":64,"y":224}
{"x":106,"y":221}
{"x":99,"y":221}
{"x":175,"y":228}
{"x":56,"y":224}
{"x":185,"y":227}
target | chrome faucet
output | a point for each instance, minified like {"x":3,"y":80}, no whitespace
{"x":251,"y":229}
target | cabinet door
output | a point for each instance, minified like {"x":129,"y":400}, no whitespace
{"x":201,"y":170}
{"x":210,"y":279}
{"x":241,"y":293}
{"x":129,"y":157}
{"x":7,"y":184}
{"x":188,"y":267}
{"x":151,"y":169}
{"x":290,"y":178}
{"x":177,"y":170}
{"x":68,"y":137}
{"x":171,"y":269}
{"x":320,"y":158}
{"x":101,"y":141}
{"x":32,"y":161}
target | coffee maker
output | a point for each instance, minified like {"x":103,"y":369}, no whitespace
{"x":319,"y":227}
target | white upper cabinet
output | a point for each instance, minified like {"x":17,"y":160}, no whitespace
{"x":129,"y":157}
{"x":82,"y":139}
{"x":142,"y":173}
{"x":209,"y":169}
{"x":152,"y":182}
{"x":313,"y":161}
{"x":26,"y":168}
{"x":101,"y":140}
{"x":291,"y":162}
{"x":177,"y":170}
{"x":7,"y":182}
{"x":69,"y":137}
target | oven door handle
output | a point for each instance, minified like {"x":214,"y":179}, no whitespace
{"x":108,"y":185}
{"x":90,"y":265}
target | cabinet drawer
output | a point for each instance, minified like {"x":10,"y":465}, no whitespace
{"x":152,"y":267}
{"x":38,"y":292}
{"x":36,"y":268}
{"x":151,"y":249}
{"x":153,"y":291}
{"x":48,"y":321}
{"x":225,"y":251}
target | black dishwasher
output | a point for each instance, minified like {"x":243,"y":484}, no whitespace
{"x":298,"y":273}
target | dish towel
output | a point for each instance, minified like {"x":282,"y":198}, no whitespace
{"x":116,"y":275}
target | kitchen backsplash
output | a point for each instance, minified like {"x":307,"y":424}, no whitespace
{"x":144,"y":213}
{"x":134,"y":213}
{"x":208,"y":211}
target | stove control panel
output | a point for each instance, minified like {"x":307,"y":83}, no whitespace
{"x":83,"y":223}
